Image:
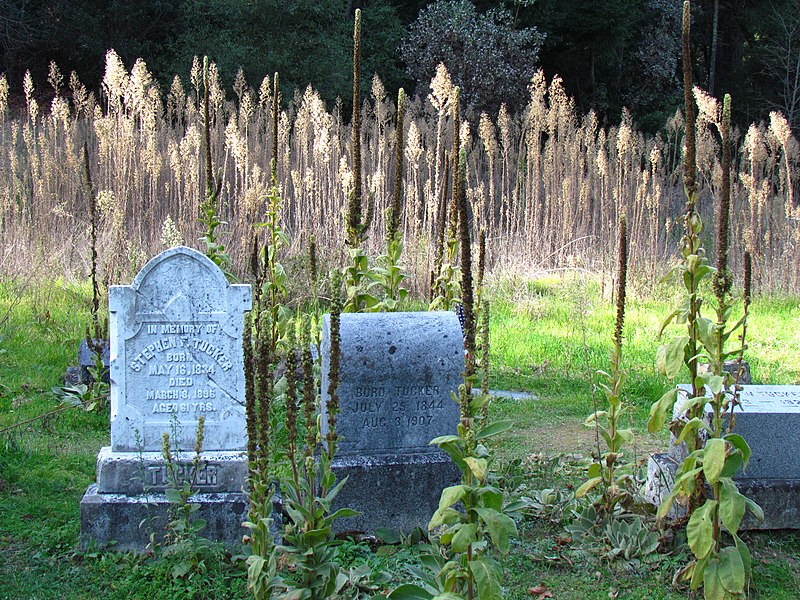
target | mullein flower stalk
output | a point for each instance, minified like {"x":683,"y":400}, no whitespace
{"x":481,"y":268}
{"x":250,"y":392}
{"x":485,"y":360}
{"x":275,"y":113}
{"x":354,"y":204}
{"x":467,"y":296}
{"x":722,"y":279}
{"x":441,"y":227}
{"x":264,"y":390}
{"x":291,"y":398}
{"x":309,"y":390}
{"x":336,"y":354}
{"x":622,"y":277}
{"x":395,"y":211}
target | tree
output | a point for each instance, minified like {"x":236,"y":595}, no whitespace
{"x":781,"y":60}
{"x":486,"y":56}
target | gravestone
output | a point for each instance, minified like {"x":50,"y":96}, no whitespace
{"x":397,"y":373}
{"x":769,"y":420}
{"x":176,"y":354}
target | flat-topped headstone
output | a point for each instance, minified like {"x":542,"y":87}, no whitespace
{"x":396,"y":375}
{"x":769,"y":420}
{"x":176,"y":355}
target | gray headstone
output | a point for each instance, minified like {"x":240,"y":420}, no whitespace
{"x":769,"y":420}
{"x":176,"y":354}
{"x":397,"y":373}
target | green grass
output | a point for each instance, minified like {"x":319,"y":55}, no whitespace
{"x":549,"y":336}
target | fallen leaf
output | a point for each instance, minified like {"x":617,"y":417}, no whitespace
{"x":540,"y":591}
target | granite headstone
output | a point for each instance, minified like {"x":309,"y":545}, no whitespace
{"x":397,"y":373}
{"x":176,"y":354}
{"x":769,"y":420}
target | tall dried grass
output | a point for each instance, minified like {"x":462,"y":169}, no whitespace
{"x":548,"y":185}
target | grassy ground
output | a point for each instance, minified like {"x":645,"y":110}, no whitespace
{"x":548,"y":337}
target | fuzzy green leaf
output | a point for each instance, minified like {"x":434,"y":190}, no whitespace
{"x":477,"y":466}
{"x":465,"y":536}
{"x":658,"y":411}
{"x":700,"y":529}
{"x":744,"y":552}
{"x":410,"y":592}
{"x":731,"y":505}
{"x":501,"y":527}
{"x":451,"y":495}
{"x":712,"y":586}
{"x":714,"y":459}
{"x":487,"y":575}
{"x":758,"y":513}
{"x":494,"y":429}
{"x":738,"y":442}
{"x":587,"y":486}
{"x":669,"y":358}
{"x":731,"y":570}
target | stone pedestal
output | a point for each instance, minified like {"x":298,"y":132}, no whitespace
{"x":769,"y":420}
{"x":175,"y":355}
{"x":397,"y":373}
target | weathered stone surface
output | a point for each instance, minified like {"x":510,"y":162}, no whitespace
{"x":769,"y":419}
{"x":125,"y":522}
{"x":778,"y":498}
{"x":396,"y":491}
{"x":86,"y":358}
{"x":134,"y":473}
{"x":176,"y":354}
{"x":397,"y":373}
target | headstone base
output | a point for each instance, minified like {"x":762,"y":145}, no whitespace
{"x":398,"y":491}
{"x":136,"y":472}
{"x":122,"y":522}
{"x":778,"y":498}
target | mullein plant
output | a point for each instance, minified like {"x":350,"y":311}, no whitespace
{"x":182,"y":527}
{"x":357,"y":274}
{"x":96,"y":338}
{"x":262,"y":562}
{"x":608,"y":471}
{"x":447,"y":284}
{"x":309,"y":548}
{"x":209,"y":217}
{"x":469,"y":571}
{"x":723,"y":570}
{"x":389,"y":274}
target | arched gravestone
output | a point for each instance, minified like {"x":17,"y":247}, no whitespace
{"x":176,"y":354}
{"x":396,"y":375}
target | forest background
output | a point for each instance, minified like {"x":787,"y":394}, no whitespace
{"x":610,"y":54}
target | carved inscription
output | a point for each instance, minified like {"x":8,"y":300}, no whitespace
{"x":787,"y":397}
{"x":177,"y":366}
{"x":205,"y":475}
{"x":396,"y":406}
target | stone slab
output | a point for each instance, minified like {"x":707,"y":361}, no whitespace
{"x":134,"y":473}
{"x":400,"y":492}
{"x":176,"y":353}
{"x":778,"y":498}
{"x":769,"y":419}
{"x":113,"y":520}
{"x":397,"y":373}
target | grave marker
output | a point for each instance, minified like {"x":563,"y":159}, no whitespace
{"x":397,"y":373}
{"x":176,"y":353}
{"x":769,"y":420}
